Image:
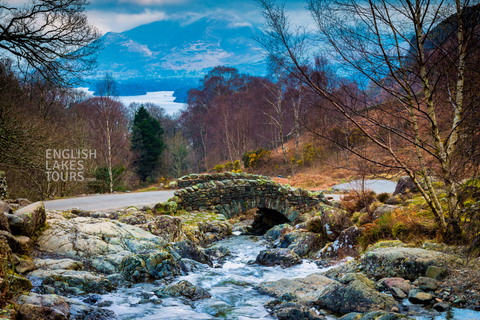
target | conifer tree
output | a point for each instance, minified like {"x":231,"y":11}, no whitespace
{"x":147,"y":143}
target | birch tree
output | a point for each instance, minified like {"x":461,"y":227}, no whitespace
{"x":412,"y":56}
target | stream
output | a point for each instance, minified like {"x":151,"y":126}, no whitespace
{"x":231,"y":287}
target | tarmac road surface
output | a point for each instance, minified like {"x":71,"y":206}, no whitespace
{"x":110,"y":202}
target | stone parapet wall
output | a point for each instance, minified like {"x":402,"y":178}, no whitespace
{"x":3,"y":185}
{"x":193,"y":179}
{"x":231,"y":197}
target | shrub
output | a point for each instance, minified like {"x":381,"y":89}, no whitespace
{"x":355,"y":201}
{"x":255,"y":158}
{"x":219,"y":168}
{"x":229,"y":166}
{"x":237,"y":166}
{"x":382,"y":197}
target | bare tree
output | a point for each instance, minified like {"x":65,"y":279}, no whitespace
{"x":413,"y":54}
{"x":51,"y":36}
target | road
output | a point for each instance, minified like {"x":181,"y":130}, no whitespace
{"x":110,"y":202}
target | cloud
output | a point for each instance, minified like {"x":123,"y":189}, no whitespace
{"x":112,"y":21}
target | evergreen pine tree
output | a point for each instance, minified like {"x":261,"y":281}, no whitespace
{"x":147,"y":143}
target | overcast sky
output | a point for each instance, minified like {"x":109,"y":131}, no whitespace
{"x":121,"y":15}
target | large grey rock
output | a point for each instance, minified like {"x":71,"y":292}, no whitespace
{"x":105,"y":243}
{"x":42,"y":307}
{"x":183,"y":289}
{"x":354,"y":293}
{"x":344,"y":245}
{"x":301,"y":242}
{"x":407,"y":263}
{"x":307,"y":289}
{"x":419,"y":297}
{"x":277,"y":232}
{"x":273,"y":257}
{"x":52,"y":264}
{"x":82,"y":311}
{"x":426,"y":284}
{"x":334,"y":221}
{"x":64,"y":280}
{"x":375,"y":315}
{"x":33,"y":217}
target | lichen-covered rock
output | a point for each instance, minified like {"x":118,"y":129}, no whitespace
{"x":208,"y":232}
{"x":42,"y":307}
{"x":82,"y":311}
{"x":157,"y":264}
{"x":354,"y":293}
{"x":52,"y":264}
{"x":18,"y":244}
{"x":72,"y":281}
{"x":183,"y":289}
{"x":375,"y":315}
{"x":301,"y":242}
{"x":307,"y":290}
{"x":344,"y":245}
{"x":187,"y":249}
{"x":167,"y":227}
{"x":277,"y":232}
{"x":217,"y":252}
{"x":24,"y":265}
{"x":334,"y":221}
{"x":273,"y":257}
{"x":426,"y":284}
{"x":136,"y":218}
{"x":419,"y":297}
{"x":33,"y":217}
{"x":437,"y":273}
{"x":407,"y":263}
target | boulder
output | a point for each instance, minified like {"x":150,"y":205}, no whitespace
{"x":187,"y":249}
{"x":82,"y":311}
{"x":183,"y":289}
{"x":277,"y":232}
{"x":354,"y":293}
{"x":437,"y":273}
{"x":136,"y":218}
{"x":72,"y":281}
{"x":42,"y":307}
{"x":419,"y":297}
{"x":307,"y":290}
{"x":33,"y":217}
{"x":19,"y":244}
{"x":283,"y":257}
{"x":4,"y":225}
{"x":404,"y":185}
{"x":167,"y":227}
{"x":25,"y":265}
{"x":407,"y":263}
{"x":334,"y":221}
{"x":344,"y":245}
{"x":157,"y":264}
{"x":426,"y":284}
{"x":52,"y":264}
{"x":23,"y":202}
{"x":301,"y":242}
{"x":398,"y":287}
{"x":375,"y":315}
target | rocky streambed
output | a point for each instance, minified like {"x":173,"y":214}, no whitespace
{"x":147,"y":264}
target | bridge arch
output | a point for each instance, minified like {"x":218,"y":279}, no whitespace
{"x":231,"y":197}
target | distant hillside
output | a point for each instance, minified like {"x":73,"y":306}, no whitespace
{"x":164,"y":53}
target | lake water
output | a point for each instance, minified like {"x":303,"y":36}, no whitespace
{"x":162,"y":98}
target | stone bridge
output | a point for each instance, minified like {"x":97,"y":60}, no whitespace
{"x":193,"y":179}
{"x":231,"y":197}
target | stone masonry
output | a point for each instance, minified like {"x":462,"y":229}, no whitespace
{"x":231,"y":197}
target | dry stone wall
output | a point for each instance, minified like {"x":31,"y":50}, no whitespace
{"x":231,"y":197}
{"x":193,"y":179}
